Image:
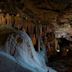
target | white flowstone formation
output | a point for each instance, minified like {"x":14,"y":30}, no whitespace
{"x":19,"y":45}
{"x":25,"y":53}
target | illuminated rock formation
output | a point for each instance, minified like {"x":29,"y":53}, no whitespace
{"x":19,"y":45}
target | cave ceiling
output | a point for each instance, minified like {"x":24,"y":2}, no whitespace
{"x":52,"y":5}
{"x":37,"y":9}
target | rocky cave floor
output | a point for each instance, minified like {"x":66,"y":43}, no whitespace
{"x":61,"y":63}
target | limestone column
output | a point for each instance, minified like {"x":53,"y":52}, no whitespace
{"x":12,"y":19}
{"x":3,"y":19}
{"x":18,"y":21}
{"x":8,"y":19}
